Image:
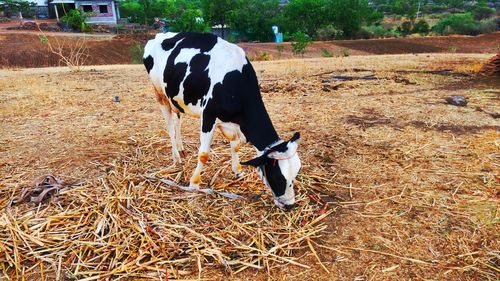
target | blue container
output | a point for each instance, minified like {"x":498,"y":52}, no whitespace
{"x":279,"y":37}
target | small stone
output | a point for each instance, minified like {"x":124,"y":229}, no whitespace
{"x":116,"y":99}
{"x":456,"y":100}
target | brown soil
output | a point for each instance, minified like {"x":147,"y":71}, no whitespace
{"x":24,"y":49}
{"x":414,"y":181}
{"x":492,"y":67}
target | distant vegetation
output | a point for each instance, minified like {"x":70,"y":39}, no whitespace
{"x":251,"y":20}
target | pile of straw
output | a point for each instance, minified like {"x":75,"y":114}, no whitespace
{"x":127,"y":223}
{"x":492,"y":67}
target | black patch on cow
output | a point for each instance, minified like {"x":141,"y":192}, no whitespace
{"x":199,"y":63}
{"x":282,"y":147}
{"x":148,"y":63}
{"x":173,"y":76}
{"x":197,"y":83}
{"x":203,"y":41}
{"x":237,"y":99}
{"x":276,"y":180}
{"x":176,"y":104}
{"x":169,"y":43}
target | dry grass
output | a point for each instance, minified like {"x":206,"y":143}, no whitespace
{"x":411,"y":183}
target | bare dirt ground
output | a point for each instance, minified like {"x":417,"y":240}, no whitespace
{"x":24,"y":48}
{"x":412,"y":181}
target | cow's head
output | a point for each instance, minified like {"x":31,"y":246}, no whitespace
{"x":278,"y":166}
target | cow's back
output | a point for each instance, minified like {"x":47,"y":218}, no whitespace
{"x":187,"y":66}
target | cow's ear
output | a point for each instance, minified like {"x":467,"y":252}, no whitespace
{"x":290,"y":148}
{"x":295,"y":137}
{"x":256,"y":162}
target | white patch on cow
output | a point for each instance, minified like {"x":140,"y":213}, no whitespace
{"x":185,"y":56}
{"x":224,"y":58}
{"x":289,"y":168}
{"x":153,"y":48}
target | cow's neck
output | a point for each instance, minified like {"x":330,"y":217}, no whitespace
{"x":257,"y":126}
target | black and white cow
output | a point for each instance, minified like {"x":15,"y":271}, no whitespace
{"x":202,"y":75}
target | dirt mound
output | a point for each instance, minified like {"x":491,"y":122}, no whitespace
{"x":137,"y":37}
{"x":492,"y":67}
{"x":26,"y":49}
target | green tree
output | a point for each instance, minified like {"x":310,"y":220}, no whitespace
{"x":253,"y":19}
{"x":144,"y":11}
{"x":457,"y":24}
{"x":132,"y":10}
{"x":187,"y":16}
{"x":76,"y":19}
{"x":482,"y":11}
{"x":217,"y":12}
{"x":451,"y":3}
{"x":300,"y":43}
{"x":305,"y":15}
{"x":349,"y":15}
{"x":17,"y":6}
{"x":421,"y":27}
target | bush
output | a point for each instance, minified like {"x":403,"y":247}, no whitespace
{"x":280,"y":48}
{"x":482,"y":12}
{"x":76,"y":20}
{"x":405,"y":28}
{"x":325,"y":53}
{"x":328,"y":33}
{"x":136,"y":52}
{"x":362,"y":34}
{"x":264,"y":56}
{"x":378,"y":31}
{"x":421,"y":27}
{"x":488,"y":26}
{"x":345,"y":52}
{"x":300,"y":43}
{"x":457,"y":24}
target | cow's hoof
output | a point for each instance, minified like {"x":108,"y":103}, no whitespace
{"x":239,"y":175}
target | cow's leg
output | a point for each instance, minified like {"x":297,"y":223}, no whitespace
{"x":170,"y":121}
{"x":231,"y":133}
{"x":178,"y":135}
{"x":206,"y":136}
{"x":235,"y":161}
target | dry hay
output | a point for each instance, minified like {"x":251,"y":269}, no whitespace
{"x":411,"y":183}
{"x":492,"y":67}
{"x":125,"y":223}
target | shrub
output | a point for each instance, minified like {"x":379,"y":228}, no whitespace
{"x":325,"y":53}
{"x":136,"y":51}
{"x":264,"y":56}
{"x":378,"y":31}
{"x":421,"y":27}
{"x":482,"y":12}
{"x":405,"y":28}
{"x":487,"y":26}
{"x":457,"y":24}
{"x":328,"y":33}
{"x":300,"y":43}
{"x":280,"y":48}
{"x":362,"y":34}
{"x":76,"y":20}
{"x":345,"y":52}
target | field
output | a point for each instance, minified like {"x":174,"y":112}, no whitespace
{"x":25,"y":49}
{"x":410,"y":183}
